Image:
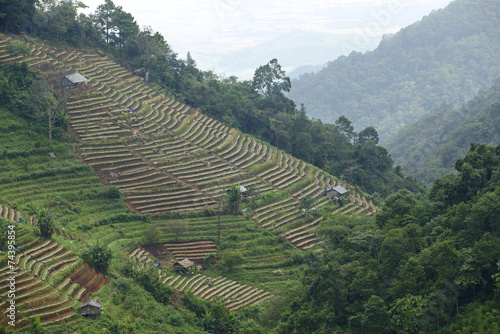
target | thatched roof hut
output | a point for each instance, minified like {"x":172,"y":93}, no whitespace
{"x":183,"y":265}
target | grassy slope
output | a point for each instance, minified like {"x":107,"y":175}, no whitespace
{"x":30,"y":179}
{"x":79,"y":199}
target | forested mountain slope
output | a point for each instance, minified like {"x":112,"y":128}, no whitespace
{"x":427,"y":148}
{"x":446,"y":57}
{"x":428,"y":266}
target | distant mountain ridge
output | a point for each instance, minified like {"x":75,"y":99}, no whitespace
{"x":448,"y":56}
{"x":428,"y":148}
{"x":297,"y":50}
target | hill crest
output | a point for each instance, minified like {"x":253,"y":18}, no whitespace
{"x":447,"y":56}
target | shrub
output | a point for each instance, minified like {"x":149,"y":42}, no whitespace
{"x":209,"y":258}
{"x":306,"y":203}
{"x":232,"y":259}
{"x":208,"y":212}
{"x":149,"y":280}
{"x":194,"y":304}
{"x":121,"y":218}
{"x":98,"y":256}
{"x":17,"y":49}
{"x":114,"y":192}
{"x":84,"y":227}
{"x":46,"y":222}
{"x":4,"y":233}
{"x":122,"y":284}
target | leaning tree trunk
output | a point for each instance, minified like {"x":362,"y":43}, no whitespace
{"x":50,"y":124}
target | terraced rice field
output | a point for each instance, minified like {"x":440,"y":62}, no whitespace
{"x":268,"y":259}
{"x":192,"y":250}
{"x":167,"y":157}
{"x":234,"y":294}
{"x":40,"y":290}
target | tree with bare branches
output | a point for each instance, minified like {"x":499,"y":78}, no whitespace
{"x":46,"y":104}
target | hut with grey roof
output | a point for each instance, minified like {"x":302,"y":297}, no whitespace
{"x":74,"y":80}
{"x":91,"y":308}
{"x":336,"y":192}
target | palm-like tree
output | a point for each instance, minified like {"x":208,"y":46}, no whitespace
{"x":46,"y":222}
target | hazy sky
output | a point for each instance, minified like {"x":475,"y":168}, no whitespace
{"x":217,"y":26}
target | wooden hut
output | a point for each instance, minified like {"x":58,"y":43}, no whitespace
{"x":91,"y":308}
{"x":336,"y":192}
{"x":183,"y":265}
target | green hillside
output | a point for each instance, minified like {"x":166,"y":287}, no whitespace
{"x":258,"y":107}
{"x":448,"y":57}
{"x":188,"y":203}
{"x":428,"y":266}
{"x":428,"y":148}
{"x":145,"y":173}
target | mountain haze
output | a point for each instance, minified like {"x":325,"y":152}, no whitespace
{"x":293,"y":50}
{"x":448,"y":56}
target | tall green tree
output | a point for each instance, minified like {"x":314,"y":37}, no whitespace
{"x":147,"y":45}
{"x":178,"y":228}
{"x":234,"y":198}
{"x":126,"y":28}
{"x":367,"y":134}
{"x":270,"y":80}
{"x":57,"y":21}
{"x":14,"y":14}
{"x":345,"y":127}
{"x":46,"y":104}
{"x":375,"y":318}
{"x":105,"y":15}
{"x":15,"y":83}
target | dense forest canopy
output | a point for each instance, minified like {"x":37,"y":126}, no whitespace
{"x":426,"y":266}
{"x":428,"y":148}
{"x":448,"y":57}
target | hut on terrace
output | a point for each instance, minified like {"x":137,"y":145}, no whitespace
{"x":336,"y":192}
{"x":74,"y":80}
{"x":91,"y":308}
{"x":183,"y":265}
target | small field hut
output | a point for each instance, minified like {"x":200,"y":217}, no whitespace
{"x":336,"y":192}
{"x":74,"y":80}
{"x":91,"y":308}
{"x":183,"y":265}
